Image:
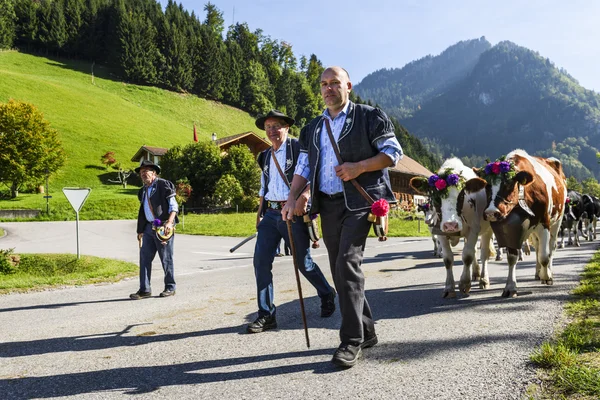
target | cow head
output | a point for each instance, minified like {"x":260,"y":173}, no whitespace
{"x":504,"y":193}
{"x":431,"y":215}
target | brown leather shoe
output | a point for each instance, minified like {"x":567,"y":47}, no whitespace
{"x":167,"y":293}
{"x":140,"y":295}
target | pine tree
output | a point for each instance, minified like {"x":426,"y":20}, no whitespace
{"x":8,"y":19}
{"x":26,"y":27}
{"x":139,"y":51}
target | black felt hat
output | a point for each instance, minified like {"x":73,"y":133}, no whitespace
{"x":147,"y":164}
{"x":260,"y":123}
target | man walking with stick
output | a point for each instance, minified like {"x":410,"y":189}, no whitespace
{"x":277,"y":164}
{"x":363,"y":138}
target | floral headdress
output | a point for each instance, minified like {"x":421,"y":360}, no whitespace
{"x":439,"y":185}
{"x":499,"y":170}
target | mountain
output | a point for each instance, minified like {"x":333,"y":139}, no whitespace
{"x":400,"y":91}
{"x":511,"y":98}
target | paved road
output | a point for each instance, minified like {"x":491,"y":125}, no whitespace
{"x":92,"y":342}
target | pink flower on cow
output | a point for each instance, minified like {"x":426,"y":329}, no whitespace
{"x":440,"y":184}
{"x":496,"y":167}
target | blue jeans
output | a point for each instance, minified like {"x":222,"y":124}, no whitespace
{"x":270,"y":231}
{"x":150,"y":246}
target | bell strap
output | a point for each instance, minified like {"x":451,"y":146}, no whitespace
{"x":285,"y":179}
{"x":360,"y":189}
{"x":148,"y":201}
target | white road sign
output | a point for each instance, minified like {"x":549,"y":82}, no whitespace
{"x":76,"y":196}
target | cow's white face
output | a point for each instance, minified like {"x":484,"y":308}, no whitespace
{"x":451,"y":221}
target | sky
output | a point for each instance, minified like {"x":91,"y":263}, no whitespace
{"x":363,"y":36}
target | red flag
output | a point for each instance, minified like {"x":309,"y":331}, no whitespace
{"x":195,"y":134}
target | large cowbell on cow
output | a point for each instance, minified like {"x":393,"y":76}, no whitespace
{"x":511,"y":232}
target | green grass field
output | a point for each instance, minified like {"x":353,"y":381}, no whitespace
{"x":40,"y":271}
{"x":93,"y":118}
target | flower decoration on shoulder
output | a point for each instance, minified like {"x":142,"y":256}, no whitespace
{"x":441,"y":184}
{"x":499,"y":170}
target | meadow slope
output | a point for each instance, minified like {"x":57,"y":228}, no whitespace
{"x":94,"y":116}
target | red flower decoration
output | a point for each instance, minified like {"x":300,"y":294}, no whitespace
{"x":496,"y":168}
{"x":440,"y":184}
{"x":380,"y":208}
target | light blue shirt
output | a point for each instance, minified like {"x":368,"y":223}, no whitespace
{"x":147,"y":193}
{"x":278,"y":189}
{"x":329,"y":182}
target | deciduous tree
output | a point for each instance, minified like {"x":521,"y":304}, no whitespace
{"x":30,"y":148}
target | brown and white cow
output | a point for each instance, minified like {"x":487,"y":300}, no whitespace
{"x":532,"y":204}
{"x":460,"y":214}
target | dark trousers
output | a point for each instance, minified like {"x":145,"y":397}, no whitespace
{"x":150,"y":246}
{"x":270,"y":231}
{"x":345,"y":234}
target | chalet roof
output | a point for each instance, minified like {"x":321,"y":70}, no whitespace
{"x":409,"y":166}
{"x":246,"y":135}
{"x":155,"y":151}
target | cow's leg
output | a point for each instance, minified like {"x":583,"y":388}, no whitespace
{"x":561,"y":243}
{"x":576,"y":234}
{"x":484,"y":280}
{"x":492,"y":248}
{"x":510,"y":290}
{"x":469,"y":259}
{"x":436,"y":249}
{"x":570,"y":228}
{"x":527,"y":248}
{"x":448,"y":258}
{"x":543,"y":253}
{"x":595,"y":227}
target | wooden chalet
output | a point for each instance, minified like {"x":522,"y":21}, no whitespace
{"x":151,"y":153}
{"x":400,"y":176}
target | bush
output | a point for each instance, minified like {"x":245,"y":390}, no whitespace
{"x":8,"y":262}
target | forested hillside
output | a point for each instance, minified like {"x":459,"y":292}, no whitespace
{"x":512,"y":97}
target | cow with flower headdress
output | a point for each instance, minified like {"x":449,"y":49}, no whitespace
{"x":458,"y":213}
{"x":527,"y":199}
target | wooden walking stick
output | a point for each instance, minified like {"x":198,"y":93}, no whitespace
{"x":300,"y":298}
{"x":293,"y":247}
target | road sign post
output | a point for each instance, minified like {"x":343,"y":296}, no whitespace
{"x":76,"y":197}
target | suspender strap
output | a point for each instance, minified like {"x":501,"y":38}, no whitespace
{"x":339,"y":159}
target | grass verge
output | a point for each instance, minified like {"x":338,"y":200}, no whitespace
{"x":571,"y":362}
{"x":41,"y":271}
{"x":244,"y":224}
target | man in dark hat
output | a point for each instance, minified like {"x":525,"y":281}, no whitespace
{"x":277,"y":164}
{"x":157,"y":217}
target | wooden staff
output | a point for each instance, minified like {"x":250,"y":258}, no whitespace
{"x":243,"y":242}
{"x":300,"y":298}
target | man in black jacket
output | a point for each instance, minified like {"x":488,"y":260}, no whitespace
{"x":157,"y":217}
{"x":367,"y":144}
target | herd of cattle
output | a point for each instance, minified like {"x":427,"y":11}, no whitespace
{"x":519,"y":199}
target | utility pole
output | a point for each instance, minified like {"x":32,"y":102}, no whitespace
{"x":47,"y":196}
